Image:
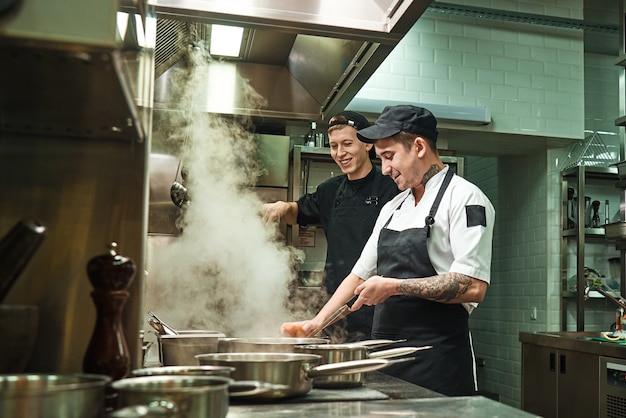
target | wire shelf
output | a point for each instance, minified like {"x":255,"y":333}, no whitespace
{"x":590,"y":152}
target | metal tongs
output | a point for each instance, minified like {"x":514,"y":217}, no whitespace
{"x":161,"y":327}
{"x":336,"y":316}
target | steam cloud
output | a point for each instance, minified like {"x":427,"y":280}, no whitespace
{"x":227,"y":271}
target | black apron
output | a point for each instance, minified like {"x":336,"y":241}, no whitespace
{"x":448,"y":367}
{"x":346,"y":239}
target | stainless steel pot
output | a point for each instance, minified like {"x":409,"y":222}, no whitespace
{"x":235,"y":388}
{"x":174,"y":395}
{"x":336,"y":353}
{"x":180,"y":349}
{"x":265,"y":345}
{"x":292,"y":370}
{"x":52,"y":395}
{"x":185,"y":370}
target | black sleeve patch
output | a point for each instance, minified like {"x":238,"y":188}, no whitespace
{"x":475,"y":215}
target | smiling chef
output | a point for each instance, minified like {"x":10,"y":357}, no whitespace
{"x":346,"y":206}
{"x":427,"y":264}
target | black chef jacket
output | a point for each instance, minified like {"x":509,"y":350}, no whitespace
{"x":347,"y":210}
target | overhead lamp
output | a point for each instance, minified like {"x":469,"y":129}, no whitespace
{"x":226,"y":40}
{"x":450,"y":113}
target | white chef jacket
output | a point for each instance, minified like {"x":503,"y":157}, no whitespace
{"x":453,"y":246}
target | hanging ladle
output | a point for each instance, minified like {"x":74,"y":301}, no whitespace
{"x":178,"y":192}
{"x":161,"y":327}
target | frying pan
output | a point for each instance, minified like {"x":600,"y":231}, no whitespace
{"x":293,"y":370}
{"x":235,"y":388}
{"x":264,"y":345}
{"x":336,"y":353}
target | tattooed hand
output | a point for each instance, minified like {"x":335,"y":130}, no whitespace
{"x":375,"y":290}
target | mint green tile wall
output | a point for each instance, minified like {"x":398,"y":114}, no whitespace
{"x":530,"y":76}
{"x":519,"y":268}
{"x":602,"y":97}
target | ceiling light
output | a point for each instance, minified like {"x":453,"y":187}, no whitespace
{"x":226,"y":40}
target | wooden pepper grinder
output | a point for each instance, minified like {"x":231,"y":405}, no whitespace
{"x":110,"y":275}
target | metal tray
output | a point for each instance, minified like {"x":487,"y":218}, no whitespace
{"x":615,"y":231}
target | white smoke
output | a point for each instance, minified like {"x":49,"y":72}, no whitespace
{"x":227,"y":271}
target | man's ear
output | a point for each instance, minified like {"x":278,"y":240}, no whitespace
{"x":420,"y":145}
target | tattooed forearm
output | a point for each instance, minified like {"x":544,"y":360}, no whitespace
{"x":434,"y":169}
{"x":440,"y":288}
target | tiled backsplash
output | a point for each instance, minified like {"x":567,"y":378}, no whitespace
{"x":531,"y":78}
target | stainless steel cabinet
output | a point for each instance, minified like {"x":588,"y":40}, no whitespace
{"x":559,"y":382}
{"x":539,"y":388}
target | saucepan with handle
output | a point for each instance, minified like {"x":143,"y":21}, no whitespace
{"x":295,"y":371}
{"x":235,"y":388}
{"x":337,"y":353}
{"x":264,"y":345}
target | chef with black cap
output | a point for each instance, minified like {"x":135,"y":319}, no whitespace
{"x":427,"y":264}
{"x":346,"y":206}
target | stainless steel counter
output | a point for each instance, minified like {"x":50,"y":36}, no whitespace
{"x":582,"y":341}
{"x":403,"y":399}
{"x":468,"y":407}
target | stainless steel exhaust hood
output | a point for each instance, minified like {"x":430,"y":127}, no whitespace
{"x":308,"y":59}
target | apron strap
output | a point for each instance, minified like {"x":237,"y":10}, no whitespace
{"x":430,"y":219}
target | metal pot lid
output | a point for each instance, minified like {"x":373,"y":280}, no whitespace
{"x":184,"y":370}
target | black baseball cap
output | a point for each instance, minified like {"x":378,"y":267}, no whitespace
{"x":349,"y":118}
{"x":401,"y":118}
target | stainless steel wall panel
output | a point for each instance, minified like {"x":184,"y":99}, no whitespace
{"x":87,"y":194}
{"x":90,"y":22}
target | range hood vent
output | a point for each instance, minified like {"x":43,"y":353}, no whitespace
{"x":173,"y":38}
{"x":308,"y":61}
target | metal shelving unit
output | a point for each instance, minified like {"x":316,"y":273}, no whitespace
{"x":582,"y":234}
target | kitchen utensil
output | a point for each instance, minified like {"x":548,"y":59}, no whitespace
{"x":336,"y":353}
{"x":18,"y":327}
{"x":595,"y":217}
{"x":571,"y":209}
{"x":373,"y":343}
{"x":180,"y":349}
{"x":178,"y":395}
{"x":265,"y":345}
{"x":16,"y":250}
{"x":159,"y":325}
{"x":52,"y":395}
{"x":293,"y":370}
{"x":178,"y":192}
{"x":336,"y":316}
